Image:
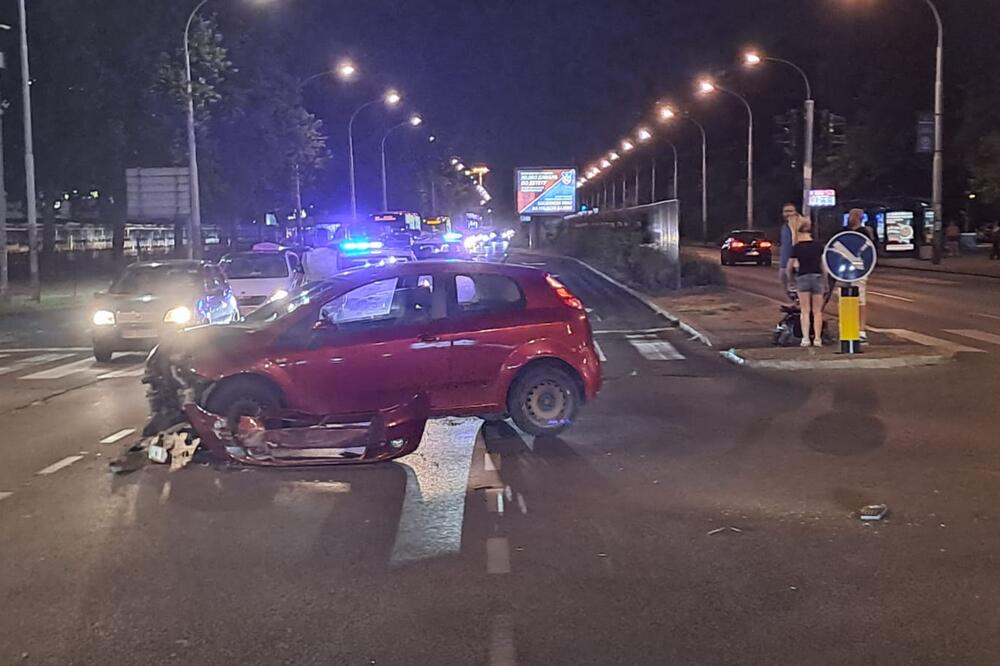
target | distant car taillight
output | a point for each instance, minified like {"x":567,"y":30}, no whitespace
{"x":564,"y":294}
{"x":765,"y":245}
{"x":737,"y":245}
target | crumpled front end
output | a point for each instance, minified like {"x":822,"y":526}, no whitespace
{"x":286,"y":438}
{"x":169,"y":388}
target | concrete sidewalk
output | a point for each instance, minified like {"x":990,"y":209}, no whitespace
{"x":742,"y":325}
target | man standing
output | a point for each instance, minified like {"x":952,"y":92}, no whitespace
{"x":995,"y":237}
{"x":952,"y":234}
{"x":855,"y":222}
{"x":789,"y":234}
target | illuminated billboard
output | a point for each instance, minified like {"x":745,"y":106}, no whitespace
{"x":546,"y":191}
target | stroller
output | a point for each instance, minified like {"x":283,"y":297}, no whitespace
{"x":788,"y":332}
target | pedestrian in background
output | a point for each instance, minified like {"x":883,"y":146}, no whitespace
{"x":856,"y":222}
{"x":952,"y":235}
{"x":995,"y":237}
{"x":789,"y":236}
{"x":807,"y":260}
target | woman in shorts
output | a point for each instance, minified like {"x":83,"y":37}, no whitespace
{"x":807,"y":264}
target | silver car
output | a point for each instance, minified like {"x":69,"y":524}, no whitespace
{"x":150,"y":299}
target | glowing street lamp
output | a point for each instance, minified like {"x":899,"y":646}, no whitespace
{"x":613,"y":156}
{"x":708,"y":87}
{"x":605,"y":164}
{"x":627,"y":145}
{"x":643,"y":134}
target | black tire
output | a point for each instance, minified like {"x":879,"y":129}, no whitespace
{"x":544,"y":401}
{"x":102,"y":353}
{"x":769,"y":263}
{"x":722,"y":258}
{"x":241,"y":397}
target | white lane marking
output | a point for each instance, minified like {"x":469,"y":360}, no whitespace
{"x":885,"y":295}
{"x":926,"y":340}
{"x":23,"y":363}
{"x":437,"y":477}
{"x":988,"y":316}
{"x":521,"y":504}
{"x":491,"y":463}
{"x":64,"y":370}
{"x":4,"y":495}
{"x":640,"y":331}
{"x":121,"y":434}
{"x":497,"y":555}
{"x":165,"y":492}
{"x":655,"y":350}
{"x":56,"y":466}
{"x":494,"y":500}
{"x":982,"y":336}
{"x":131,"y":371}
{"x":35,"y":350}
{"x":502,"y":651}
{"x":600,"y":352}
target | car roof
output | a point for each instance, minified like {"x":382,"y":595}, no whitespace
{"x":361,"y":275}
{"x":174,"y":263}
{"x":755,"y":232}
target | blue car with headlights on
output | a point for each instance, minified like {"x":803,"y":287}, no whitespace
{"x":152,"y":299}
{"x":363,"y":253}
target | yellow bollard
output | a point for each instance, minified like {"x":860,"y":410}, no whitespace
{"x":850,"y":320}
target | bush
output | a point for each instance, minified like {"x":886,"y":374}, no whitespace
{"x":700,"y":272}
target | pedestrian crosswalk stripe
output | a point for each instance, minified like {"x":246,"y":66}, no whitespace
{"x":982,"y":336}
{"x":131,"y":371}
{"x":653,"y":349}
{"x":926,"y":340}
{"x":600,"y":352}
{"x":23,"y":363}
{"x":61,"y":371}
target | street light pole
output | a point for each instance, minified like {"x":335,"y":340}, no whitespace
{"x":810,"y":123}
{"x":704,"y":177}
{"x":29,"y":157}
{"x":194,"y":226}
{"x":350,"y":156}
{"x":749,"y":150}
{"x":937,"y":186}
{"x":413,"y":121}
{"x":4,"y":281}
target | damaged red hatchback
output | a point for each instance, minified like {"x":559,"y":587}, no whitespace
{"x":491,"y":340}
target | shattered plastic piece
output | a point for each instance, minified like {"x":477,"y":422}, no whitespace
{"x":720,"y":530}
{"x":873,"y":512}
{"x":182,"y":452}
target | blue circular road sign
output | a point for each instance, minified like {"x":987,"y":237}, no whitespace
{"x":850,"y":256}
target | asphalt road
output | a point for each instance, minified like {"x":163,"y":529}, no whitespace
{"x":698,"y":513}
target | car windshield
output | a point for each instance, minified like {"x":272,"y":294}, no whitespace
{"x":254,"y":265}
{"x":158,"y":278}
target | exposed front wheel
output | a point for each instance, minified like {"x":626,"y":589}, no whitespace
{"x":544,"y":401}
{"x":241,"y":397}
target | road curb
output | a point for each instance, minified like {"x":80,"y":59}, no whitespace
{"x":648,"y":302}
{"x":856,"y":362}
{"x":932,"y":270}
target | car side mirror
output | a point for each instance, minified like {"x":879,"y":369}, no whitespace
{"x":325,"y":325}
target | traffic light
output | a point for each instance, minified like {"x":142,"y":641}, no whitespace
{"x":836,"y":127}
{"x":788,"y":134}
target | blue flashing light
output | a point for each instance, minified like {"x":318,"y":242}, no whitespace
{"x":361,"y":246}
{"x":452,"y":237}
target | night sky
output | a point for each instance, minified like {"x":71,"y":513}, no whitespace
{"x":559,"y":81}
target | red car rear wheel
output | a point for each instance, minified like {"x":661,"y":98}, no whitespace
{"x":544,"y":401}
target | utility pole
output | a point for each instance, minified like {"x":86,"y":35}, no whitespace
{"x":29,"y":157}
{"x":937,"y":186}
{"x":4,"y":282}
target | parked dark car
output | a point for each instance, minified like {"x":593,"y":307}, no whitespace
{"x":476,"y":338}
{"x":741,"y":247}
{"x":150,"y":299}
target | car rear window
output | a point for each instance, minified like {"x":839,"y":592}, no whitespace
{"x":245,"y":266}
{"x":748,"y":236}
{"x":487,"y":292}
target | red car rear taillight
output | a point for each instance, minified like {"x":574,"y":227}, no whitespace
{"x":564,"y":294}
{"x":764,"y":245}
{"x":737,"y":245}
